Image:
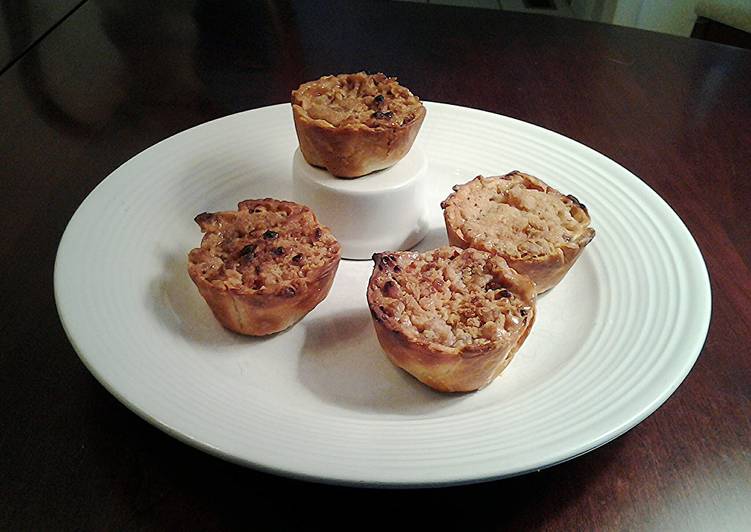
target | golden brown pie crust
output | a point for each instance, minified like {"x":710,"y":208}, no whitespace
{"x":265,"y":266}
{"x":355,"y":124}
{"x":458,"y":337}
{"x":471,"y":221}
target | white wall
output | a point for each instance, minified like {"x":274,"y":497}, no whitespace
{"x":667,"y":16}
{"x":674,"y":16}
{"x":600,"y":10}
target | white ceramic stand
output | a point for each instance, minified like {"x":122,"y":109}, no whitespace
{"x":382,"y":211}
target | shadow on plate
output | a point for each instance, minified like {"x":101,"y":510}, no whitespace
{"x":435,"y":238}
{"x":173,"y":297}
{"x":176,"y":303}
{"x":342,"y":363}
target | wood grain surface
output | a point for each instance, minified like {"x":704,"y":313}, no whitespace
{"x":116,"y":77}
{"x":23,"y":23}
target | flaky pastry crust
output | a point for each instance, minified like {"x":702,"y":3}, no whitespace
{"x":265,"y":266}
{"x":452,"y":318}
{"x":536,"y":229}
{"x":355,"y":124}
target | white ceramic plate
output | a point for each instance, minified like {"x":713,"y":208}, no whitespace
{"x":321,"y":401}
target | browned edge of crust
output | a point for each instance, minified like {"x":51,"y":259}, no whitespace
{"x":352,"y":151}
{"x":263,"y":314}
{"x":259,"y":315}
{"x":447,"y":369}
{"x":545,"y":271}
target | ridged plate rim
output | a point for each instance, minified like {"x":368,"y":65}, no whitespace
{"x":491,"y":463}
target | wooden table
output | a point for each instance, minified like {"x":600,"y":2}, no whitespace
{"x":112,"y":78}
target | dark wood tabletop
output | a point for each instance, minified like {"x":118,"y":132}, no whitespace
{"x":84,"y":89}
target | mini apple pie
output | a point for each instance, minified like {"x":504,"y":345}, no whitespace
{"x":265,"y":266}
{"x":354,"y":124}
{"x":539,"y":231}
{"x":451,"y":317}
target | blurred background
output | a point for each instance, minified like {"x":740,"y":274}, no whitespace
{"x":726,"y":21}
{"x":25,"y":22}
